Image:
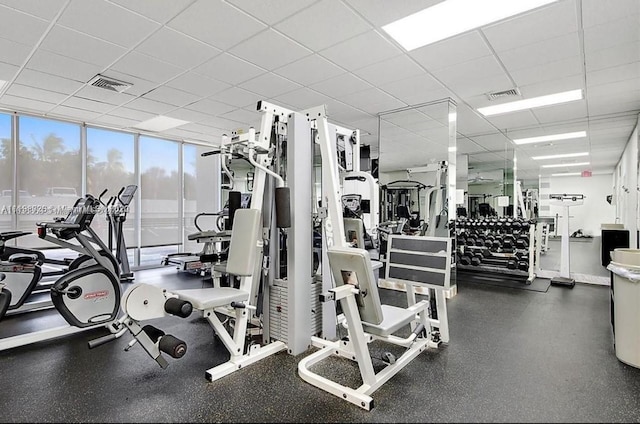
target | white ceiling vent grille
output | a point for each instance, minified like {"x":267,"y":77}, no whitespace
{"x":506,"y":93}
{"x":109,"y":83}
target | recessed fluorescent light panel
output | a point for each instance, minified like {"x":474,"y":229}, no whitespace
{"x":566,"y":155}
{"x":553,"y":137}
{"x":567,"y":174}
{"x":160,"y":123}
{"x":534,"y":102}
{"x":452,"y":17}
{"x":562,"y":165}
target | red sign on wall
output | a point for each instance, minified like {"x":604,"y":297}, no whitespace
{"x":586,"y":173}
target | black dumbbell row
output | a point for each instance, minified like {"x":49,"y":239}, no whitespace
{"x":477,"y":257}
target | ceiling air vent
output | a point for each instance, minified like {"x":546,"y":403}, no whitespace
{"x":506,"y":93}
{"x":109,"y":83}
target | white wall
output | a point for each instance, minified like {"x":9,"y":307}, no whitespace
{"x":595,"y":210}
{"x":626,"y":188}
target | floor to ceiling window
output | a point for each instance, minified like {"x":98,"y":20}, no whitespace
{"x":160,"y":182}
{"x":111,"y":166}
{"x":6,"y":174}
{"x":49,"y":173}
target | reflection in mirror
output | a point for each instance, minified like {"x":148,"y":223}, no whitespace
{"x":417,"y":174}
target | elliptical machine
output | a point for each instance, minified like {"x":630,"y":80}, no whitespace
{"x":88,"y":295}
{"x":116,"y":211}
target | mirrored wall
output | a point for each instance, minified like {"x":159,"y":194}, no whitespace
{"x":417,"y":172}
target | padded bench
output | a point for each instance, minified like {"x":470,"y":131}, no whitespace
{"x":203,"y":299}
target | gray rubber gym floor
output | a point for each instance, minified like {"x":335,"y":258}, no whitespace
{"x":514,"y":355}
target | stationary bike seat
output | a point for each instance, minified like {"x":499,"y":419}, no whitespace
{"x":23,"y":258}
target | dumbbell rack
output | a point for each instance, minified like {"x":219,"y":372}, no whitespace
{"x":497,"y":245}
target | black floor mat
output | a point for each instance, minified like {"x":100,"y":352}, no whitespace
{"x":500,"y":280}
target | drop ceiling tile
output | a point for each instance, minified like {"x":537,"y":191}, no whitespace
{"x":467,"y":146}
{"x":138,"y":115}
{"x":14,"y":53}
{"x":614,"y":88}
{"x":90,"y":105}
{"x":272,"y":11}
{"x":7,"y":71}
{"x":35,"y":93}
{"x":337,"y":110}
{"x":387,"y":71}
{"x":480,"y":68}
{"x":81,"y":47}
{"x":559,"y":113}
{"x":360,"y":51}
{"x":197,"y":84}
{"x":607,"y":58}
{"x":548,"y":71}
{"x":216,"y":23}
{"x":380,"y":14}
{"x":324,"y":24}
{"x":369,"y":124}
{"x":549,"y":50}
{"x":511,"y":121}
{"x":46,"y":10}
{"x":171,"y":96}
{"x":341,"y":85}
{"x":20,"y":27}
{"x":47,"y":81}
{"x":229,"y":69}
{"x":226,"y":125}
{"x":22,"y":104}
{"x":270,"y":50}
{"x":611,"y":34}
{"x":146,"y":67}
{"x":467,"y":87}
{"x":158,"y":10}
{"x":88,"y":16}
{"x":149,"y":106}
{"x":238,"y":97}
{"x":449,"y":52}
{"x":408,"y":87}
{"x":210,"y":107}
{"x":202,"y":129}
{"x":270,"y":85}
{"x":572,"y":82}
{"x":104,"y":96}
{"x":309,"y":70}
{"x":613,"y":74}
{"x":372,"y":101}
{"x":176,"y":48}
{"x":302,"y":98}
{"x":72,"y":113}
{"x":596,"y":12}
{"x":115,"y":121}
{"x":52,"y":63}
{"x":606,"y":107}
{"x":554,"y":20}
{"x":244,"y":117}
{"x":189,"y":115}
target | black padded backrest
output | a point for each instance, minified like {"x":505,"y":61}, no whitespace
{"x":403,"y":212}
{"x":82,"y":213}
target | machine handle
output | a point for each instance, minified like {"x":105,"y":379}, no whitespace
{"x":212,"y":152}
{"x":102,"y":194}
{"x":102,"y":340}
{"x":57,"y":225}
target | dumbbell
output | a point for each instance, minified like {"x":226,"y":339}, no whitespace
{"x":485,"y":252}
{"x":522,"y":243}
{"x":516,"y":225}
{"x":523,"y":265}
{"x":512,"y":264}
{"x":461,"y":240}
{"x":521,"y":254}
{"x":508,"y":241}
{"x":471,"y":241}
{"x":477,"y":259}
{"x":465,"y":259}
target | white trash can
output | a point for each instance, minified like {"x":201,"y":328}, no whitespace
{"x":625,"y":265}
